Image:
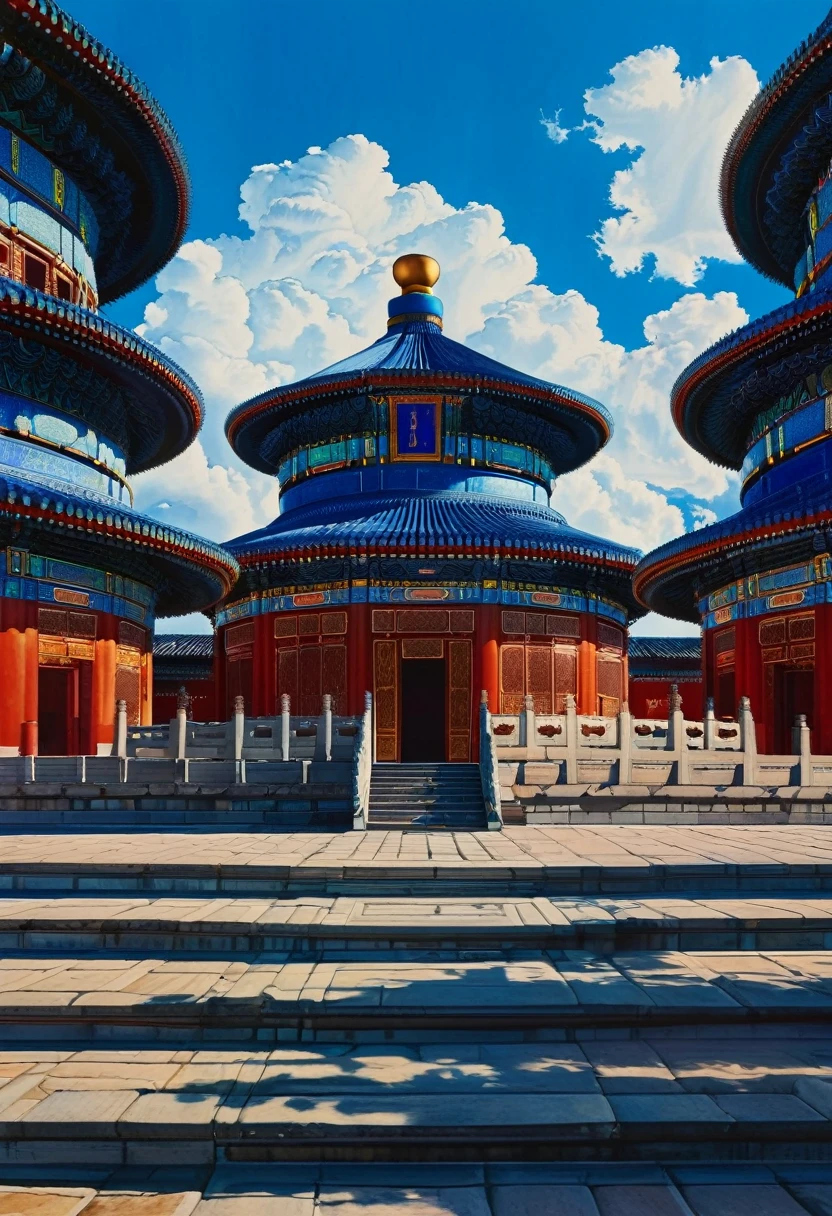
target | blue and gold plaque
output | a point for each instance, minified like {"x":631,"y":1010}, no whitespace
{"x":414,"y":427}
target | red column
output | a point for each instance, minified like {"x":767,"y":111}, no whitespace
{"x":103,"y":692}
{"x":587,"y":669}
{"x":218,"y":712}
{"x":487,"y":659}
{"x":359,"y":675}
{"x":147,"y":688}
{"x":749,"y":680}
{"x":264,"y":681}
{"x":19,"y":669}
{"x":822,"y":718}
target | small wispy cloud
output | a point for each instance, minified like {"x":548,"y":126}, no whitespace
{"x":554,"y":130}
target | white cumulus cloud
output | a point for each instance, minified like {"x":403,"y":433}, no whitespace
{"x":308,"y":285}
{"x":666,"y":199}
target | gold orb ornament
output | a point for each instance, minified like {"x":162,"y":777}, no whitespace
{"x":416,"y":272}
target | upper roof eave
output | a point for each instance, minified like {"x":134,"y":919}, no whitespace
{"x":122,"y":112}
{"x":775,"y":117}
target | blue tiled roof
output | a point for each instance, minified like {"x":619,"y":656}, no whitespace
{"x":416,"y":347}
{"x":775,"y":156}
{"x":194,"y":576}
{"x":421,"y":346}
{"x":716,"y":419}
{"x":427,"y":519}
{"x":669,"y":649}
{"x":789,"y":511}
{"x":183,"y":646}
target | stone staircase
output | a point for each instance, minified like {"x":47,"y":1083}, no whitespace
{"x":426,"y":797}
{"x":617,"y":1020}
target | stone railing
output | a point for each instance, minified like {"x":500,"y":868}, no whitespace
{"x":579,"y":749}
{"x":285,"y":737}
{"x":362,"y":766}
{"x":489,"y":769}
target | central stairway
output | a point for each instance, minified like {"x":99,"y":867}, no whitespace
{"x":426,"y":796}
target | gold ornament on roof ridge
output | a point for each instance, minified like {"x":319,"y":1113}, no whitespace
{"x":416,"y":272}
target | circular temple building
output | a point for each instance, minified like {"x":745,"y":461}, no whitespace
{"x":760,"y":401}
{"x":93,"y":200}
{"x":416,"y":555}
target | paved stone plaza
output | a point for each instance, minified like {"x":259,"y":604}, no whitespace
{"x":583,"y":1020}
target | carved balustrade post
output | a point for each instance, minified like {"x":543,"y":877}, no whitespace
{"x":748,"y":742}
{"x":239,"y":728}
{"x":121,"y":730}
{"x":529,"y":723}
{"x":571,"y":739}
{"x":285,"y":726}
{"x":326,"y":714}
{"x":803,"y":737}
{"x":625,"y":745}
{"x":709,"y":726}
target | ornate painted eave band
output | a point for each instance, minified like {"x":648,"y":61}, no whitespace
{"x":49,"y":511}
{"x":760,"y":145}
{"x":248,"y":423}
{"x":177,"y":406}
{"x":693,"y":394}
{"x":116,"y":104}
{"x":682,"y":559}
{"x":518,"y":550}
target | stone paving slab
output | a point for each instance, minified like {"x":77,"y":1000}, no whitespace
{"x":269,"y":992}
{"x":168,"y":924}
{"x":192,"y":1103}
{"x":568,"y":859}
{"x":351,"y":1189}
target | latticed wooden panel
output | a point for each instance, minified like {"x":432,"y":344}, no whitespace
{"x":423,"y":648}
{"x":462,"y":621}
{"x":566,"y":676}
{"x":771,"y":632}
{"x":287,"y":676}
{"x":608,"y":635}
{"x":129,"y":689}
{"x":539,"y":677}
{"x":334,"y":676}
{"x":386,"y":697}
{"x":239,"y":635}
{"x":422,"y":620}
{"x":309,"y":624}
{"x":512,"y":679}
{"x":52,"y":621}
{"x":802,"y":627}
{"x":128,"y":634}
{"x":560,"y":626}
{"x":536,"y":624}
{"x":83,"y":625}
{"x":459,"y":701}
{"x":239,"y":681}
{"x":384,"y":620}
{"x":333,"y":623}
{"x":514,"y":622}
{"x":285,"y":626}
{"x":610,"y":677}
{"x":309,"y":680}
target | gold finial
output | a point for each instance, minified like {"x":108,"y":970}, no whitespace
{"x":416,"y":272}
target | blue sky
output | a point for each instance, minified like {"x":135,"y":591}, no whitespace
{"x":455,"y":94}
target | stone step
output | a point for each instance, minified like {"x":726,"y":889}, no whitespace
{"x":402,"y":994}
{"x":336,"y":1188}
{"x":670,"y":1097}
{"x":490,"y":1189}
{"x":309,"y":925}
{"x":523,"y":861}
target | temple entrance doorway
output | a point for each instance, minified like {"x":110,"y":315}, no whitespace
{"x":794,"y":693}
{"x":423,"y":710}
{"x":57,"y":711}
